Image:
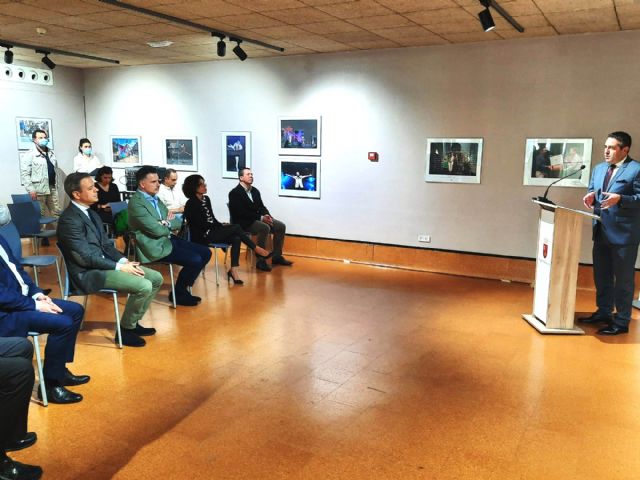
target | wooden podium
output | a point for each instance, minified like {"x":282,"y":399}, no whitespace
{"x":557,"y":258}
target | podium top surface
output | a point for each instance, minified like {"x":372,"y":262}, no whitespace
{"x":551,"y":206}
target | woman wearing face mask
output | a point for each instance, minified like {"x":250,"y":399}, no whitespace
{"x":86,"y":161}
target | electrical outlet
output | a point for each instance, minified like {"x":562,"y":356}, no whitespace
{"x":424,"y":238}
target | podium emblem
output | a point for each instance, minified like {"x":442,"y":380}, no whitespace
{"x":545,"y":249}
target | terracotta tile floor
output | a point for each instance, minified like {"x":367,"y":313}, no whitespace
{"x":341,"y":371}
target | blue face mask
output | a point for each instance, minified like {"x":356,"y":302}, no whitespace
{"x":87,"y":151}
{"x":43,"y":142}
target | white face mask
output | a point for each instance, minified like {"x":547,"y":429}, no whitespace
{"x":5,"y":216}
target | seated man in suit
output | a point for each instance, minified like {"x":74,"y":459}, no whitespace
{"x":94,"y":263}
{"x":247,"y":210}
{"x":24,"y":308}
{"x":152,"y":224}
{"x":16,"y":383}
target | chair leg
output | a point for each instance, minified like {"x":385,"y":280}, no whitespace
{"x":43,"y":388}
{"x":84,"y":306}
{"x":173,"y":286}
{"x":117,"y":312}
{"x":215,"y":254}
{"x":59,"y":277}
{"x":35,"y":276}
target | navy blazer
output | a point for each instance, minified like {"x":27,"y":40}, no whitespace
{"x":11,"y":297}
{"x":621,"y":223}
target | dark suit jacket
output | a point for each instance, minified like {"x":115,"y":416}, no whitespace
{"x":88,"y":252}
{"x":11,"y":298}
{"x":196,"y":215}
{"x":620,"y":223}
{"x":242,"y":210}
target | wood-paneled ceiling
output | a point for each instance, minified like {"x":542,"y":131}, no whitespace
{"x":300,"y":26}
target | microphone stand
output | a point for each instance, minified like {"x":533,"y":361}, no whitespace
{"x":544,"y":198}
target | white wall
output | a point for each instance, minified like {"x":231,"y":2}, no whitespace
{"x":62,"y":103}
{"x":389,"y":101}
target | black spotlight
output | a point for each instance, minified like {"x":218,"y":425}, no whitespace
{"x":485,"y":16}
{"x":222,"y":47}
{"x":8,"y":56}
{"x":48,"y":62}
{"x":240,"y":53}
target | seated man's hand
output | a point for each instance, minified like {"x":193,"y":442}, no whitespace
{"x":132,"y":268}
{"x":47,"y":306}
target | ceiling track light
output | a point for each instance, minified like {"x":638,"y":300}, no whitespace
{"x":221,"y":46}
{"x":487,"y":20}
{"x":49,"y":51}
{"x":8,"y":54}
{"x":46,"y":60}
{"x":240,"y":53}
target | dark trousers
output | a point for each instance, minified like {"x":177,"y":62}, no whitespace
{"x":234,"y":235}
{"x":192,"y":257}
{"x":16,"y":384}
{"x":62,"y":329}
{"x":613,"y":274}
{"x":262,"y":229}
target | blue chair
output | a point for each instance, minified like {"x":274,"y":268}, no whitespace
{"x":70,"y":293}
{"x":27,"y":220}
{"x":26,"y":198}
{"x":10,"y":233}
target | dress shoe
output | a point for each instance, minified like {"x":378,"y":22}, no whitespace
{"x":46,"y":291}
{"x":59,"y":394}
{"x":144,"y":331}
{"x":130,"y":338}
{"x":185,"y":300}
{"x":29,"y":439}
{"x":236,"y":281}
{"x":281,"y":261}
{"x":613,"y":329}
{"x":11,"y":470}
{"x":70,"y":379}
{"x":262,"y":265}
{"x":596,"y":318}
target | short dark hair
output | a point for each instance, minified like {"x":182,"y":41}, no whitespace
{"x":191,"y":184}
{"x":83,"y":140}
{"x":106,"y":170}
{"x":36,"y":131}
{"x":241,"y":171}
{"x":143,"y":171}
{"x":168,"y":172}
{"x":623,"y":137}
{"x":72,"y":182}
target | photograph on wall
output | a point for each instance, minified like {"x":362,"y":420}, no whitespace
{"x":454,"y":160}
{"x":180,"y":153}
{"x":548,"y":159}
{"x":125,"y":151}
{"x":25,"y":128}
{"x":300,"y":177}
{"x":236,"y":153}
{"x":300,"y":135}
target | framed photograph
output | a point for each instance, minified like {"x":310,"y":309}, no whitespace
{"x":25,"y":128}
{"x":125,"y":151}
{"x":454,"y":160}
{"x":548,"y":159}
{"x":300,"y":177}
{"x":180,"y":153}
{"x":236,"y":153}
{"x":300,"y":135}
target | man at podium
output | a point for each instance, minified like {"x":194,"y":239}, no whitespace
{"x":614,"y":195}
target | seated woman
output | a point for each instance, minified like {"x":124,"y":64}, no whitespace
{"x":205,"y":229}
{"x":107,"y":192}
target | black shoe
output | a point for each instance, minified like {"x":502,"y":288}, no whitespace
{"x":45,"y":242}
{"x":29,"y":439}
{"x":11,"y":470}
{"x":130,"y":338}
{"x":236,"y":281}
{"x":281,"y":261}
{"x":613,"y":329}
{"x":144,"y":331}
{"x":46,"y":291}
{"x":71,"y":380}
{"x":59,"y":394}
{"x":197,"y":298}
{"x":596,"y":318}
{"x":185,"y":300}
{"x":262,"y":265}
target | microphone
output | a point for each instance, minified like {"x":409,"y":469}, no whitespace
{"x":544,"y":198}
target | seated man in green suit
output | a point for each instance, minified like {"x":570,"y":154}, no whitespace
{"x":94,"y":263}
{"x":152,"y":224}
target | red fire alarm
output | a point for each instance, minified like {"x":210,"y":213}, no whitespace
{"x":373,"y":156}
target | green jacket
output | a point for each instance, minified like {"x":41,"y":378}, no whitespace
{"x":152,"y":238}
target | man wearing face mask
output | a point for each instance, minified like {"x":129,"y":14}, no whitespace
{"x":38,"y":174}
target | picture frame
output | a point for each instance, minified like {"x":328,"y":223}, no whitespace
{"x":180,"y":153}
{"x":25,"y":127}
{"x":299,"y":177}
{"x":548,"y":159}
{"x":453,"y":160}
{"x":126,"y":151}
{"x":236,"y":152}
{"x":300,"y":136}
